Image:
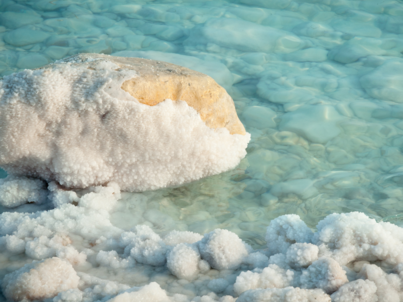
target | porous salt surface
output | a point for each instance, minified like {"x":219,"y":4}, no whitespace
{"x":85,"y":130}
{"x":40,"y":280}
{"x":322,"y":104}
{"x":20,"y":190}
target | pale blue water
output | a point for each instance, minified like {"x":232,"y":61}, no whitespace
{"x":318,"y":84}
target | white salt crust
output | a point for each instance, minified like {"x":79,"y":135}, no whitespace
{"x":40,"y":280}
{"x":81,"y":129}
{"x":222,"y":249}
{"x":183,"y":261}
{"x":16,"y":191}
{"x":350,"y":257}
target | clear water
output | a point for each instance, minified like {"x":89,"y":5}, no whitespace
{"x":330,"y":72}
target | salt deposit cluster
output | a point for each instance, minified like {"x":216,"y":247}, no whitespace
{"x":314,"y":212}
{"x":69,"y":249}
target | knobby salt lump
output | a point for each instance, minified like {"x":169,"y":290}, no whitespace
{"x":95,"y":119}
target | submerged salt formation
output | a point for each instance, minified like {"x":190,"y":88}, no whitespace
{"x":349,"y":257}
{"x":94,"y":119}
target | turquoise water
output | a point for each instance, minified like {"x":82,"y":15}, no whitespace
{"x":318,"y":84}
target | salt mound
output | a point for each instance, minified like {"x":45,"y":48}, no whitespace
{"x":94,"y":119}
{"x":354,"y":236}
{"x":324,"y":273}
{"x":144,"y":246}
{"x":302,"y":254}
{"x":183,"y":261}
{"x":359,"y":290}
{"x":40,"y":280}
{"x":222,"y":249}
{"x":284,"y":231}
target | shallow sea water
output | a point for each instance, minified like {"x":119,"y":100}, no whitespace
{"x":318,"y":84}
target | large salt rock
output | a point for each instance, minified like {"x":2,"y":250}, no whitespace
{"x":40,"y":280}
{"x":94,"y":119}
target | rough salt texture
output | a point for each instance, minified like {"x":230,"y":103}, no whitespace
{"x":183,"y":261}
{"x":222,"y":249}
{"x":324,"y":273}
{"x":302,"y":254}
{"x":350,"y":257}
{"x":356,"y":291}
{"x":40,"y":280}
{"x":352,"y":236}
{"x":71,"y":122}
{"x":284,"y":231}
{"x":144,"y":246}
{"x":15,"y":191}
{"x":272,"y":276}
